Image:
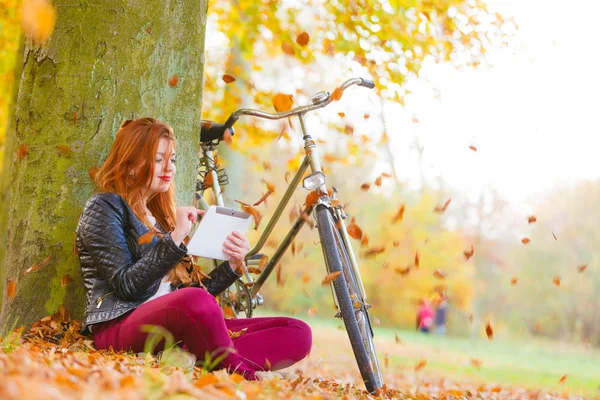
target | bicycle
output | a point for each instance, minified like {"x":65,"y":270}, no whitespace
{"x":347,"y":289}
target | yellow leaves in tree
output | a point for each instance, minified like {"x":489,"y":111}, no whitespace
{"x":38,"y":18}
{"x":283,"y":102}
{"x":331,"y":277}
{"x":11,"y":289}
{"x":303,"y":39}
{"x":489,"y":331}
{"x":173,"y":81}
{"x":469,"y":254}
{"x":228,"y":78}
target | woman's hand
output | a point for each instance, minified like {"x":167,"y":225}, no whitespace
{"x":185,"y":217}
{"x":236,"y":246}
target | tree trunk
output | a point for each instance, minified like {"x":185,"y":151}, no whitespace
{"x":107,"y":61}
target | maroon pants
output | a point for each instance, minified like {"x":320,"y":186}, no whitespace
{"x":194,"y":318}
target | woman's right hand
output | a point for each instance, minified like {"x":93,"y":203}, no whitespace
{"x":185,"y":217}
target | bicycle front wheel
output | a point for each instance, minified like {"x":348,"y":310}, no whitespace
{"x":352,"y":307}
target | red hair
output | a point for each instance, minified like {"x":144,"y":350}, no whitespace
{"x":134,"y":149}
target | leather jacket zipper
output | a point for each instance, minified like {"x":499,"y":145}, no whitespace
{"x":101,"y":298}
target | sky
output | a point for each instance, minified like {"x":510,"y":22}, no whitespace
{"x":533,"y":116}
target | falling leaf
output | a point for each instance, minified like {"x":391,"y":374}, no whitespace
{"x":397,"y":338}
{"x":582,"y":268}
{"x":538,"y":327}
{"x":554,"y":236}
{"x":399,"y":215}
{"x":309,"y":221}
{"x":373,"y":251}
{"x":489,"y":331}
{"x":330,"y":277}
{"x":417,"y":260}
{"x":92,"y":172}
{"x":439,"y":274}
{"x":395,"y":243}
{"x":471,"y":318}
{"x":354,"y":230}
{"x":146,"y":237}
{"x":476,"y":362}
{"x":403,"y":271}
{"x":556,"y":280}
{"x":66,"y":279}
{"x":531,"y":219}
{"x":237,"y":334}
{"x":364,"y":241}
{"x":22,"y":152}
{"x":420,"y":365}
{"x":563,"y":379}
{"x":288,"y":48}
{"x":365,"y":186}
{"x":39,"y":265}
{"x":306,"y":278}
{"x":280,"y":280}
{"x":366,"y":116}
{"x":11,"y":289}
{"x":173,"y":81}
{"x":303,"y":39}
{"x":386,"y":360}
{"x":228,"y":78}
{"x":63,"y":150}
{"x":443,"y":208}
{"x":264,"y":197}
{"x":513,"y":281}
{"x":283,"y":102}
{"x":473,"y":148}
{"x":312,"y":311}
{"x":378,"y":181}
{"x":38,"y":18}
{"x":341,"y":114}
{"x":469,"y":254}
{"x":525,"y":240}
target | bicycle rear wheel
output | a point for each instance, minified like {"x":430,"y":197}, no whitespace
{"x":352,"y":307}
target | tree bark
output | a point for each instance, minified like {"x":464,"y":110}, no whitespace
{"x":107,"y":61}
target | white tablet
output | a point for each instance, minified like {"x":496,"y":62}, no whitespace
{"x":214,"y":227}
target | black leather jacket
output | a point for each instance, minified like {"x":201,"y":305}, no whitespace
{"x":118,"y":273}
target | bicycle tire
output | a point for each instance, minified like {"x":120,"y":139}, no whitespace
{"x":336,"y":259}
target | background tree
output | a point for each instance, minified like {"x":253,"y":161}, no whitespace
{"x":104,"y":63}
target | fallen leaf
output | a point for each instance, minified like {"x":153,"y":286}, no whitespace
{"x":399,"y":215}
{"x":354,"y":230}
{"x":582,"y":268}
{"x":22,"y":151}
{"x":306,"y":278}
{"x":531,"y":219}
{"x":469,"y":254}
{"x":11,"y":289}
{"x":489,"y":331}
{"x":443,"y":208}
{"x":556,"y":280}
{"x":330,"y":277}
{"x":173,"y":80}
{"x":364,"y":241}
{"x":395,"y":243}
{"x":264,"y":197}
{"x":288,"y":176}
{"x":283,"y":102}
{"x":38,"y":18}
{"x":303,"y":39}
{"x":525,"y":240}
{"x":228,"y":78}
{"x":473,"y":148}
{"x":420,"y":365}
{"x":146,"y":237}
{"x":126,"y":381}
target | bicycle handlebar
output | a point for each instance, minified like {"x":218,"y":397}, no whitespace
{"x":302,"y":109}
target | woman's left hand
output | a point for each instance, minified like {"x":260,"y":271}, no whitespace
{"x":236,"y":246}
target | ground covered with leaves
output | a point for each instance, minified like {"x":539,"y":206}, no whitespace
{"x":53,"y":361}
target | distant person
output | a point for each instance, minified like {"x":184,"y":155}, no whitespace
{"x":425,"y":317}
{"x":441,"y":315}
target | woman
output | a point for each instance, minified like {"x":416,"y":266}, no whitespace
{"x":130,"y":240}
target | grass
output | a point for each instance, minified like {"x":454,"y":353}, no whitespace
{"x":525,"y":362}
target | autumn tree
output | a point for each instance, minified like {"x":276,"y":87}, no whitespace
{"x":105,"y":62}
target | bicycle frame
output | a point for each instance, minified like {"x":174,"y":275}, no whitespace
{"x":311,"y":159}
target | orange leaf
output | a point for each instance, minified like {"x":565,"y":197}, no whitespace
{"x":563,"y":379}
{"x":554,"y":236}
{"x":365,"y":186}
{"x":266,"y":165}
{"x":556,"y":280}
{"x":92,"y":172}
{"x":127,"y":381}
{"x":471,"y":318}
{"x":386,"y":175}
{"x":173,"y":81}
{"x":364,"y":241}
{"x":403,"y":271}
{"x":66,"y":279}
{"x":366,"y":116}
{"x":288,"y":176}
{"x":306,"y":278}
{"x":341,"y":114}
{"x":489,"y":331}
{"x":280,"y":280}
{"x":288,"y":48}
{"x":582,"y":268}
{"x":443,"y":208}
{"x":283,"y":102}
{"x":39,"y":265}
{"x":228,"y":78}
{"x":513,"y":281}
{"x":531,"y":219}
{"x":64,"y":150}
{"x":525,"y":240}
{"x":309,"y":221}
{"x":312,"y":311}
{"x":263,"y":197}
{"x":476,"y":362}
{"x":337,"y":94}
{"x":378,"y":181}
{"x":252,"y":211}
{"x":38,"y":18}
{"x":417,"y":260}
{"x":146,"y":237}
{"x":330,"y":277}
{"x":420,"y":365}
{"x":395,"y":243}
{"x":397,"y":338}
{"x":373,"y":251}
{"x":473,"y":148}
{"x":205,"y":380}
{"x":22,"y":152}
{"x":11,"y":289}
{"x":303,"y":39}
{"x":469,"y":254}
{"x":439,"y":274}
{"x":398,"y":217}
{"x":354,"y":230}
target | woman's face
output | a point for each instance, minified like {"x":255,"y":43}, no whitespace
{"x":163,"y":171}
